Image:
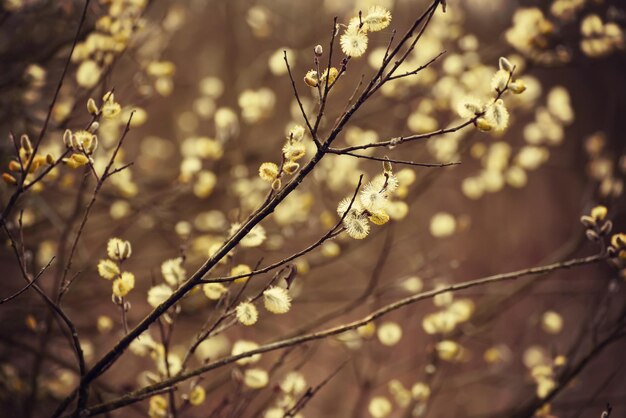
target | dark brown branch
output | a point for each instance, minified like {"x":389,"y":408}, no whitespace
{"x":311,"y":392}
{"x":372,"y":283}
{"x":403,"y":162}
{"x":569,"y":374}
{"x":402,"y":139}
{"x":378,"y":80}
{"x":324,"y":97}
{"x":418,"y":69}
{"x":203,"y":335}
{"x":297,"y":96}
{"x":32,"y":282}
{"x":142,"y":393}
{"x":78,"y":351}
{"x":332,"y":232}
{"x":427,"y":16}
{"x":20,"y":186}
{"x":105,"y":175}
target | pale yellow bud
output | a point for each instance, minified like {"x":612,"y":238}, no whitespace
{"x":91,"y":106}
{"x":483,"y":124}
{"x":505,"y":65}
{"x":517,"y":87}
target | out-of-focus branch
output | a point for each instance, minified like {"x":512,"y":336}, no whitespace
{"x":607,"y":411}
{"x":570,"y":373}
{"x":311,"y":392}
{"x":53,"y":306}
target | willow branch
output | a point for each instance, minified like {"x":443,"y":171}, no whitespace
{"x":31,"y":283}
{"x":20,"y":186}
{"x":332,"y":232}
{"x":142,"y":393}
{"x":311,"y":392}
{"x":78,"y":351}
{"x":403,"y":139}
{"x":391,"y":160}
{"x":418,"y":69}
{"x":100,"y":182}
{"x":297,"y":96}
{"x":327,"y":87}
{"x":113,"y":354}
{"x":568,"y":375}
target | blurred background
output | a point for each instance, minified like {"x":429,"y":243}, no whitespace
{"x":213,"y":101}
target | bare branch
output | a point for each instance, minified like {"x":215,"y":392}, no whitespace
{"x":297,"y":96}
{"x":32,"y":282}
{"x":78,"y":351}
{"x":311,"y":392}
{"x":391,"y":160}
{"x":402,"y":139}
{"x":418,"y":69}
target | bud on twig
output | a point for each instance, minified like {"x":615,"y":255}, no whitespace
{"x":67,"y":138}
{"x":9,"y":179}
{"x":91,"y":106}
{"x":505,"y":64}
{"x":25,"y":143}
{"x":592,"y":235}
{"x":588,"y":221}
{"x":387,"y":167}
{"x":607,"y":411}
{"x":606,"y":228}
{"x":14,"y":166}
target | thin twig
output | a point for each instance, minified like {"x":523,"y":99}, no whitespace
{"x":332,"y":232}
{"x":297,"y":96}
{"x":311,"y":392}
{"x":32,"y":282}
{"x":418,"y":69}
{"x":324,"y":98}
{"x":391,"y":160}
{"x":70,"y":325}
{"x":402,"y":139}
{"x":65,"y":284}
